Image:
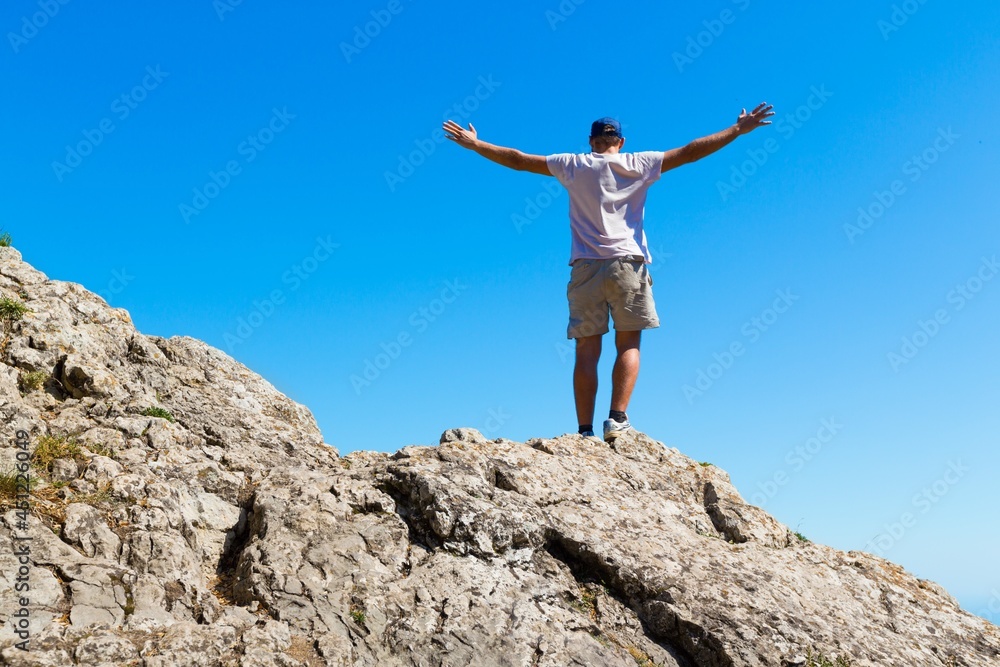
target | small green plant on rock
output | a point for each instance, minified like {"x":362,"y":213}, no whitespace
{"x":586,"y":603}
{"x":51,"y":447}
{"x":358,"y":615}
{"x":98,"y":497}
{"x":601,"y":638}
{"x":155,"y":411}
{"x":802,"y":538}
{"x":11,"y":310}
{"x":5,"y":240}
{"x":101,"y":449}
{"x":820,"y":660}
{"x":8,"y":486}
{"x":32,"y":381}
{"x":641,"y":658}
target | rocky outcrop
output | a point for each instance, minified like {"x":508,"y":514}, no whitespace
{"x":189,"y":514}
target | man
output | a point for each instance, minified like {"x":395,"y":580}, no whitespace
{"x":607,"y":195}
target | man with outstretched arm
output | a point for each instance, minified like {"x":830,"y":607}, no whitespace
{"x":607,"y":196}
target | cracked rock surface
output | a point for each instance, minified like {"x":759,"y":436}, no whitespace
{"x":187,"y":513}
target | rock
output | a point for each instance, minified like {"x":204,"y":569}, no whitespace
{"x":98,"y":594}
{"x":82,"y":381}
{"x":220,"y":530}
{"x":267,"y":646}
{"x":47,"y":595}
{"x":462,"y":435}
{"x":102,"y":438}
{"x":101,"y":470}
{"x":65,"y":470}
{"x":149,"y":611}
{"x":189,"y":645}
{"x":44,"y":658}
{"x":86,"y":529}
{"x":490,"y":535}
{"x":129,"y":487}
{"x":104,"y":648}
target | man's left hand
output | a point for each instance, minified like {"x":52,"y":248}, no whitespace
{"x":748,"y":122}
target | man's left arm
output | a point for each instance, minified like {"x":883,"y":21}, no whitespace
{"x":508,"y":157}
{"x":699,"y":148}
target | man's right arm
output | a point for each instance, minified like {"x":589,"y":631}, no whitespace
{"x":699,"y":148}
{"x":508,"y":157}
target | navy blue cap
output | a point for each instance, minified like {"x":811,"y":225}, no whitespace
{"x":599,"y":128}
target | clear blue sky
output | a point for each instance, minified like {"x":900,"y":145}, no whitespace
{"x":268,"y":179}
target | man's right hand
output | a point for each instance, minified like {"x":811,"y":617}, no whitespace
{"x":748,"y":122}
{"x":508,"y":157}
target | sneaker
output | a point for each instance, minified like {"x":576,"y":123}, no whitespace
{"x":613,"y":429}
{"x":589,"y":435}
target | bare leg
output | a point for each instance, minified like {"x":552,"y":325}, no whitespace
{"x":626,"y":369}
{"x":588,"y":353}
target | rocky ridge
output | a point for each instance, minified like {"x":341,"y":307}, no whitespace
{"x":187,"y":513}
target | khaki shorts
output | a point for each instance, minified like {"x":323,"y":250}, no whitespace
{"x":621,"y":285}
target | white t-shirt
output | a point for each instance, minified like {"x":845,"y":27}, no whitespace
{"x":607,"y":196}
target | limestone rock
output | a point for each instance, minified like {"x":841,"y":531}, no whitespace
{"x":65,"y":470}
{"x":206,"y":523}
{"x":86,"y":529}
